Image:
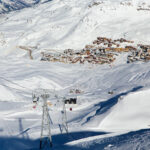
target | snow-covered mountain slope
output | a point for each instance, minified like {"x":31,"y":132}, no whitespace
{"x":112,"y":110}
{"x":97,"y":112}
{"x":132,"y":140}
{"x":72,"y":24}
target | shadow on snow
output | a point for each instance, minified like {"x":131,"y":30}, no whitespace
{"x":139,"y":140}
{"x":106,"y":105}
{"x":15,"y":143}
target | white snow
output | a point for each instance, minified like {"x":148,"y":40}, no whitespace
{"x":57,"y":25}
{"x":131,"y":112}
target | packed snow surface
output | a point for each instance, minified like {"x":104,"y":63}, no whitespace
{"x":99,"y":120}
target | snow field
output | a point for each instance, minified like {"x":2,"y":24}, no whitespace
{"x":58,"y":25}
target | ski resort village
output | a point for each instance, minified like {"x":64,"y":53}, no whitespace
{"x":74,"y":75}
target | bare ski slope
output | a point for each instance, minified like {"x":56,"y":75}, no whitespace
{"x":100,"y":120}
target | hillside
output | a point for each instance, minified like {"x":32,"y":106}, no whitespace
{"x":97,"y":51}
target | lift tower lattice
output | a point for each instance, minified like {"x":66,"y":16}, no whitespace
{"x":46,"y":138}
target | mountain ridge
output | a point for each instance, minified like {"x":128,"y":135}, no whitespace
{"x":13,"y":5}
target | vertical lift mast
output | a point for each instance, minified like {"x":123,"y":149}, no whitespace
{"x":46,"y":137}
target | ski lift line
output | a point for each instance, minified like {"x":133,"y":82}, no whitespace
{"x":14,"y":83}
